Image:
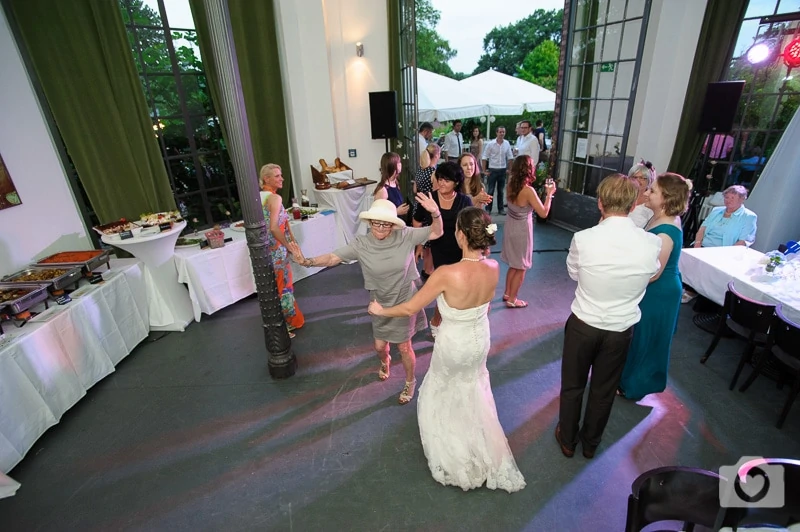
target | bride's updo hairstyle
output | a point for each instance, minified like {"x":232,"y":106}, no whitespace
{"x":477,"y":226}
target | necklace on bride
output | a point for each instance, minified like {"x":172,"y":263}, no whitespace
{"x":470,"y":259}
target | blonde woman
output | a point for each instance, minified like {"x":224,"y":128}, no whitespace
{"x":473,"y":184}
{"x":643,"y":173}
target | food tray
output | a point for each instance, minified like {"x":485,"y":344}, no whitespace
{"x":69,"y":275}
{"x":93,"y":259}
{"x":113,"y":229}
{"x":31,"y":295}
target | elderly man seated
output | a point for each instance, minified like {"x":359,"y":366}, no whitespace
{"x":729,"y":225}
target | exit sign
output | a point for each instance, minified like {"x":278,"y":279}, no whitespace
{"x":607,"y":67}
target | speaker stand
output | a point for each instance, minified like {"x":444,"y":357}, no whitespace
{"x":387,"y":145}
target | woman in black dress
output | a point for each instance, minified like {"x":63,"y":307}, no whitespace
{"x":388,"y":188}
{"x":445,"y":250}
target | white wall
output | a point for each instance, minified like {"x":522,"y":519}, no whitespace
{"x":326,"y":86}
{"x":48,"y":220}
{"x":666,"y":65}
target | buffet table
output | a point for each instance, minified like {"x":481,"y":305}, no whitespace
{"x":48,"y":364}
{"x":347,"y":204}
{"x":708,"y":271}
{"x":220,"y":277}
{"x":170,"y":307}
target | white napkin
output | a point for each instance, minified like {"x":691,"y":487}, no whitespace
{"x":336,"y":177}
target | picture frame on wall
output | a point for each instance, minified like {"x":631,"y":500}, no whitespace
{"x":9,"y":197}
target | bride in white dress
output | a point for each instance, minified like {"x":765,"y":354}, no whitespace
{"x":461,"y":435}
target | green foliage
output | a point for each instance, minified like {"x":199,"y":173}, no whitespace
{"x":505,"y":47}
{"x":541,"y":65}
{"x":433,"y":52}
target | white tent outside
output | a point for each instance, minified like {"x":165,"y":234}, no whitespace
{"x":442,"y":98}
{"x":507,"y":95}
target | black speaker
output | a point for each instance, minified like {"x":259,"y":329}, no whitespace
{"x":719,"y":107}
{"x":383,"y":114}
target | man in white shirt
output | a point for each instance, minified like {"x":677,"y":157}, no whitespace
{"x":497,"y":157}
{"x":527,"y":144}
{"x":613,"y":263}
{"x":453,"y":142}
{"x":425,"y":134}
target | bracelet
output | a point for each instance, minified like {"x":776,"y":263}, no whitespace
{"x":439,"y":213}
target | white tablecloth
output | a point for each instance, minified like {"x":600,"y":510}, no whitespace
{"x":47,"y":365}
{"x":708,"y":271}
{"x":170,"y":308}
{"x":220,"y":277}
{"x":347,"y":204}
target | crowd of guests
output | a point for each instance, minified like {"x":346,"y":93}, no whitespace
{"x":623,"y":315}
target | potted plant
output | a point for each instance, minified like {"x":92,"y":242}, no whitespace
{"x":774,"y":259}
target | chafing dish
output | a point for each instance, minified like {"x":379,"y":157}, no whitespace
{"x":57,"y":277}
{"x":19,"y":297}
{"x":93,"y":259}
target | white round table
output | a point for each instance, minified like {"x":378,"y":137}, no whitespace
{"x":168,"y":300}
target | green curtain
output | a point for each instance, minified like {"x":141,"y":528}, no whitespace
{"x":721,"y":24}
{"x":82,"y":58}
{"x":255,"y":37}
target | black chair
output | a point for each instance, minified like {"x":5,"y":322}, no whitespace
{"x":786,"y":515}
{"x":747,"y":318}
{"x":783,"y":345}
{"x":675,"y":494}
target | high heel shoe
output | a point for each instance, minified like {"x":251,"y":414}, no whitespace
{"x":408,"y":392}
{"x":385,"y":369}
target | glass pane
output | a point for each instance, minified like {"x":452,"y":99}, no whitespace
{"x":213,"y":171}
{"x":613,"y":152}
{"x":624,"y":79}
{"x":207,"y":136}
{"x":605,"y":81}
{"x":611,"y":44}
{"x":746,"y":38}
{"x":154,"y":50}
{"x":174,"y":135}
{"x":757,"y":113}
{"x":788,"y":6}
{"x":602,"y":10}
{"x":567,"y":149}
{"x":144,"y":13}
{"x":179,"y":15}
{"x":579,"y":41}
{"x":184,"y":175}
{"x":187,"y":51}
{"x":635,"y":8}
{"x":583,"y":11}
{"x":197,"y":96}
{"x":619,"y":113}
{"x":788,"y":107}
{"x":630,"y":40}
{"x":193,"y":205}
{"x":759,"y":8}
{"x":602,"y":109}
{"x":222,"y":208}
{"x":616,"y":11}
{"x":164,"y":95}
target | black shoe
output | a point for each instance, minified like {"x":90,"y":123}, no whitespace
{"x":566,"y":451}
{"x":501,"y":213}
{"x":588,"y":452}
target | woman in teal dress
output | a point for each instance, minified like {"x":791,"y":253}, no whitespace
{"x":648,"y":358}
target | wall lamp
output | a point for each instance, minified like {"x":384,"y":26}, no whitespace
{"x":360,"y":49}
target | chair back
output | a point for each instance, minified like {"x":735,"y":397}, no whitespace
{"x":785,"y":334}
{"x":674,"y":494}
{"x":749,"y":313}
{"x":780,"y":475}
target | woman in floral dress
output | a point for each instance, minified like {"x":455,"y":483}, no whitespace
{"x":279,"y":235}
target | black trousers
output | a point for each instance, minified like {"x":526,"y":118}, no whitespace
{"x":603,"y":352}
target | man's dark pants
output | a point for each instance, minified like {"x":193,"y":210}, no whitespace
{"x":497,"y":178}
{"x":604,"y":352}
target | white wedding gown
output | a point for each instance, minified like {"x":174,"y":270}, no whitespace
{"x":461,"y":435}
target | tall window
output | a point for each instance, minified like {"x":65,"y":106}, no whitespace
{"x":605,"y":44}
{"x":164,"y":46}
{"x":771,"y":92}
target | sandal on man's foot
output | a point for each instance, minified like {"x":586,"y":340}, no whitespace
{"x":408,"y":392}
{"x":385,"y":369}
{"x":517,"y":303}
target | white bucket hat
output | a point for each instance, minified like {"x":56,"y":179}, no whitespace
{"x":383,"y":211}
